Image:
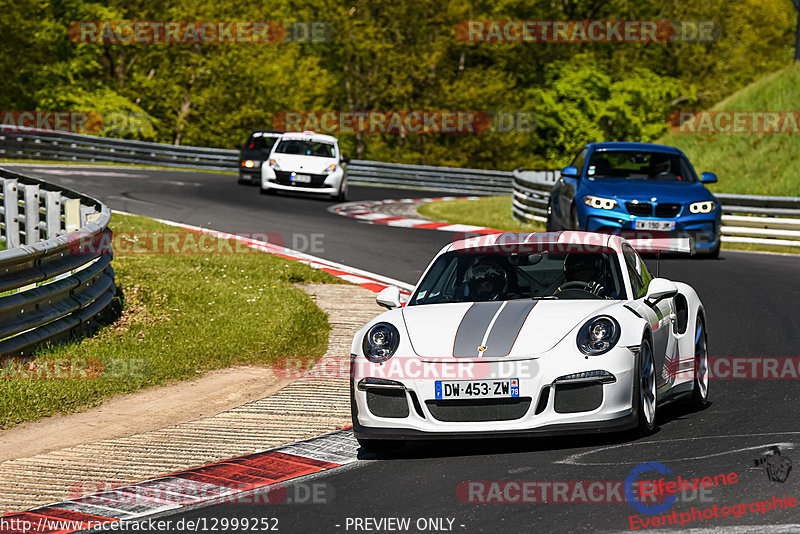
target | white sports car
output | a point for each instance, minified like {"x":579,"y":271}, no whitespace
{"x":526,"y":334}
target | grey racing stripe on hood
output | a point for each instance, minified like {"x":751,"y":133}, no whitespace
{"x":473,"y":328}
{"x":507,"y":327}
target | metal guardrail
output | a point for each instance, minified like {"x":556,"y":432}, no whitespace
{"x":63,"y":146}
{"x":530,"y":189}
{"x":453,"y":179}
{"x":746,"y":218}
{"x":50,"y":290}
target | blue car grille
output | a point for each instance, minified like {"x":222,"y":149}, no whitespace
{"x":664,"y":210}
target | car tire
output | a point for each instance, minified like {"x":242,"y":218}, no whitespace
{"x":379,"y":445}
{"x":550,"y":225}
{"x":714,"y":253}
{"x":341,"y":196}
{"x":268,"y":191}
{"x":644,"y":391}
{"x":574,"y":222}
{"x":699,"y":399}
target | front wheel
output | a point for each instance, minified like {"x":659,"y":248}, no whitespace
{"x":341,"y":196}
{"x":379,"y":445}
{"x":550,"y":225}
{"x":574,"y":222}
{"x":268,"y":191}
{"x":644,"y":390}
{"x":699,"y":399}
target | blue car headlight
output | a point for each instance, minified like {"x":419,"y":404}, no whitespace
{"x":598,"y":335}
{"x":381,"y":342}
{"x":702,"y":207}
{"x":600,"y":202}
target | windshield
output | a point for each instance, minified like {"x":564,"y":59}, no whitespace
{"x":639,"y":164}
{"x":259,"y":141}
{"x":306,"y":148}
{"x":470,"y":277}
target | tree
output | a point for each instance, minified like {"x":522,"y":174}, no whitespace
{"x":797,"y":32}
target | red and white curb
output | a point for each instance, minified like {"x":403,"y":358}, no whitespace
{"x":255,"y":479}
{"x":366,"y":212}
{"x":225,"y":481}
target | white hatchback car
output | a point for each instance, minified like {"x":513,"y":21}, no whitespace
{"x":307,"y":162}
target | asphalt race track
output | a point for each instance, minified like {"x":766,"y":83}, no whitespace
{"x":751,"y":301}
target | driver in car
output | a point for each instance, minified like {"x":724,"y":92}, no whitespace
{"x":585,"y":272}
{"x":486,"y":280}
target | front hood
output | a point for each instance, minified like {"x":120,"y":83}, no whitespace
{"x":644,"y":190}
{"x":505,"y":330}
{"x":307,"y":164}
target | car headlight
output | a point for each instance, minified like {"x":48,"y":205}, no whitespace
{"x":381,"y":342}
{"x":251,"y":164}
{"x":702,"y":207}
{"x":598,"y":335}
{"x":600,"y":202}
{"x":274,"y":165}
{"x":329,"y":169}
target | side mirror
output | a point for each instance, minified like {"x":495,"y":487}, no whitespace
{"x":569,"y":172}
{"x":345,"y":159}
{"x":660,"y":289}
{"x":389,"y":297}
{"x":708,"y":178}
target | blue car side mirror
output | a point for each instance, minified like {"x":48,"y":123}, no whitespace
{"x":708,"y":178}
{"x":569,"y":172}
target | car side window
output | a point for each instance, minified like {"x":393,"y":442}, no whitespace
{"x":636,"y":269}
{"x":580,"y":160}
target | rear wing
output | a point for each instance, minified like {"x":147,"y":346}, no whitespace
{"x":660,"y":245}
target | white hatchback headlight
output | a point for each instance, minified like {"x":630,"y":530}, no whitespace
{"x":702,"y":207}
{"x":329,"y":169}
{"x":600,"y":202}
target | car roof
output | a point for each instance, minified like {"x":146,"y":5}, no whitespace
{"x":511,"y":242}
{"x":275,"y":133}
{"x":309,"y":135}
{"x":617,"y":145}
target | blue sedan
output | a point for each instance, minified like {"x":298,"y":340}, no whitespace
{"x":622,"y":187}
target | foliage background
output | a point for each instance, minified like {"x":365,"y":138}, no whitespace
{"x":388,"y":55}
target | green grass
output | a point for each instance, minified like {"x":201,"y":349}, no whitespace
{"x":755,"y":164}
{"x":109,"y":164}
{"x":184,"y":315}
{"x":491,"y":212}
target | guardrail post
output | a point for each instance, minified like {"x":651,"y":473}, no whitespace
{"x":31,"y":194}
{"x":11,"y":213}
{"x":53,"y":213}
{"x":72,"y":214}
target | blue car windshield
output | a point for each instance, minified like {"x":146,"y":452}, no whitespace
{"x":639,"y":164}
{"x":465,"y":276}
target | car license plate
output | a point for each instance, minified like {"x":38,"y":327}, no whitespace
{"x":663,"y":226}
{"x":476,"y":389}
{"x":302,"y":178}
